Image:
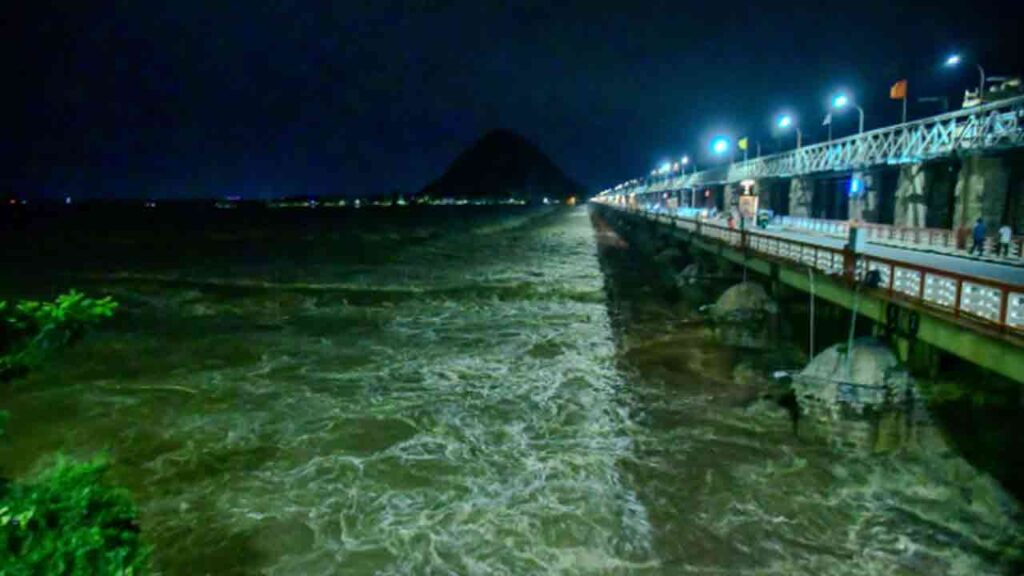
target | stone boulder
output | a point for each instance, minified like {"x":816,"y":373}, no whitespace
{"x":871,"y":377}
{"x":742,"y":302}
{"x":865,"y":401}
{"x":690,"y":275}
{"x":871,"y":363}
{"x":668,"y":257}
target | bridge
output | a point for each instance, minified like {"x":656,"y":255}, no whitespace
{"x":994,"y":126}
{"x":972,"y":308}
{"x":929,"y":179}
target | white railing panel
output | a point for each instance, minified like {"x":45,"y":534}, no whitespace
{"x":940,"y":290}
{"x":980,"y":300}
{"x":907,"y":282}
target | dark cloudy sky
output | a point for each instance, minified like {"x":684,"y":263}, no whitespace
{"x":206,"y":98}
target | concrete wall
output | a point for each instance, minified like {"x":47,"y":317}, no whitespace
{"x":732,"y":194}
{"x":864,"y":206}
{"x":800,"y":191}
{"x":981,"y":191}
{"x":763,"y":193}
{"x":911,"y":203}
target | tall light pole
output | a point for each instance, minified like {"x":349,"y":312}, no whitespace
{"x":683,"y":162}
{"x":786,"y":122}
{"x":842,"y":101}
{"x":954,"y":60}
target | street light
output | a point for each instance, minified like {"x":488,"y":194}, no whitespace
{"x":842,"y":101}
{"x":720,"y":145}
{"x":682,"y":169}
{"x":684,"y":162}
{"x":786,"y":121}
{"x":954,"y":60}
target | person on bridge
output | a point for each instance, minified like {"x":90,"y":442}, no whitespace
{"x":979,"y":238}
{"x":1004,"y":241}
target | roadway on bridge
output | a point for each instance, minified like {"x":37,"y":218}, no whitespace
{"x":978,"y":268}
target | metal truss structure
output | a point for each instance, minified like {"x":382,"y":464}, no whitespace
{"x":995,"y":126}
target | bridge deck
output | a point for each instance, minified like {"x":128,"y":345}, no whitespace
{"x":986,"y":291}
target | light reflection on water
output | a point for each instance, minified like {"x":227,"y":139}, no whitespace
{"x":466,"y":403}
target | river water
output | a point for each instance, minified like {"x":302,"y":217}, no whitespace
{"x":449,"y":391}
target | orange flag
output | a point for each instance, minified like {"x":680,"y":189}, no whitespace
{"x":898,"y":91}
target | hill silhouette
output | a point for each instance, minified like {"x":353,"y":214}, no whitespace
{"x":503,"y":164}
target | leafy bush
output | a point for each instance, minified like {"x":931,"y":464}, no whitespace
{"x":69,"y":521}
{"x":29,"y":329}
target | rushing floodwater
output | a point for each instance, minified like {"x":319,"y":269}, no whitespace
{"x":449,"y":392}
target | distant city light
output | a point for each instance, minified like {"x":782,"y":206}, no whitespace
{"x":953,"y":60}
{"x":785,"y":121}
{"x":720,"y":145}
{"x":840,"y":101}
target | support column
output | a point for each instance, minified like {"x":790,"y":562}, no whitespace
{"x":911,"y":204}
{"x":762,"y":189}
{"x":864,"y":203}
{"x":800,"y":191}
{"x":981,"y":189}
{"x":731,"y":198}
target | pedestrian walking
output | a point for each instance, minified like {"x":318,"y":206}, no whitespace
{"x":979,"y":238}
{"x":1004,"y":241}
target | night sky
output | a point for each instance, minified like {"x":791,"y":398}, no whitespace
{"x":207,"y":99}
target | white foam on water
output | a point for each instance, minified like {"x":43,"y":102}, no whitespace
{"x":466,"y":409}
{"x":476,"y":431}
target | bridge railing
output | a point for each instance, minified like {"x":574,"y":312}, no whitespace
{"x":996,"y":304}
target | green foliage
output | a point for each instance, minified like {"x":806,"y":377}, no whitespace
{"x":69,"y":521}
{"x":29,"y":330}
